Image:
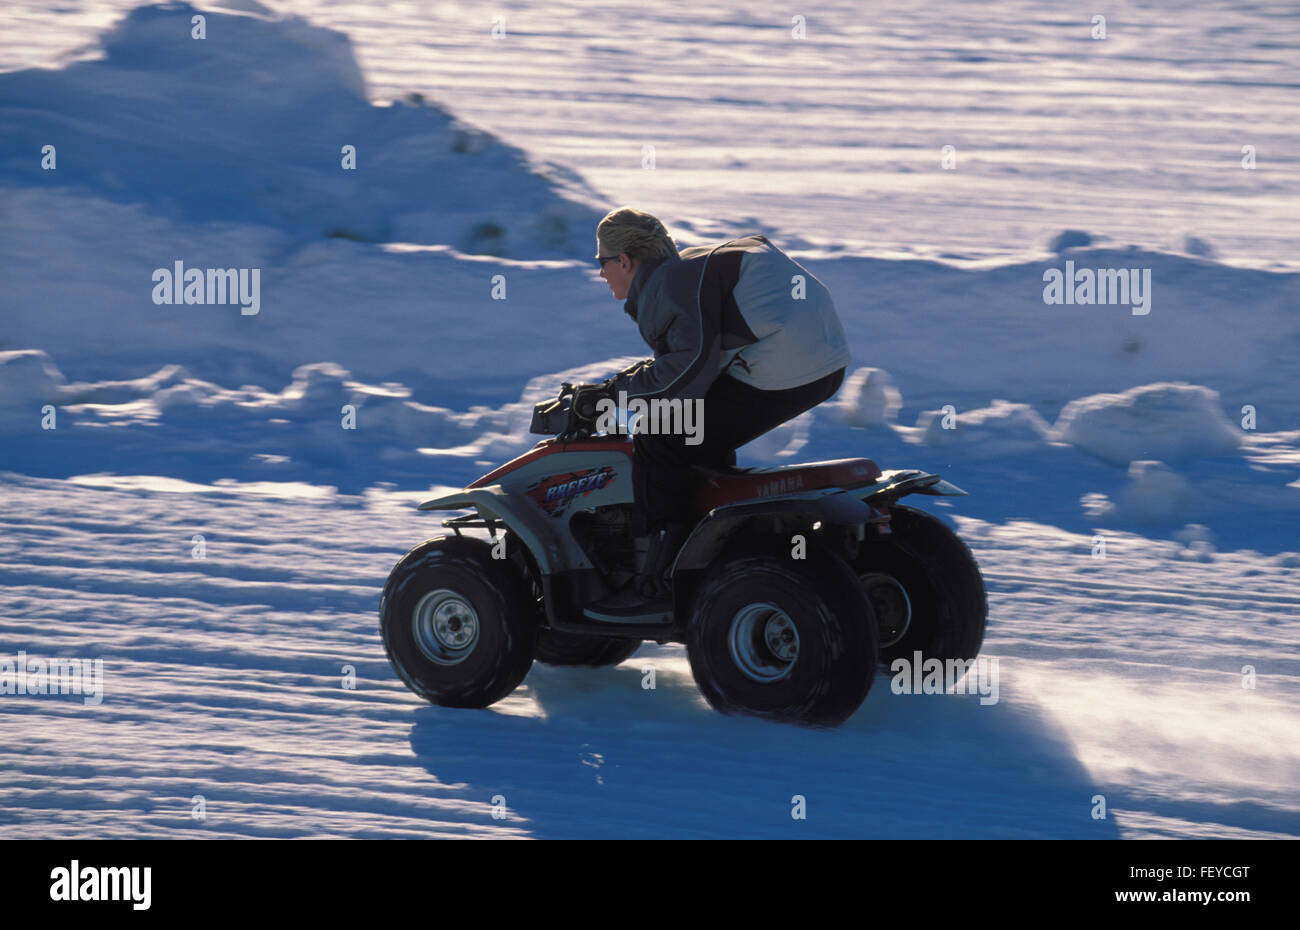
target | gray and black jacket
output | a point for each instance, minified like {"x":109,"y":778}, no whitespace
{"x":744,"y":307}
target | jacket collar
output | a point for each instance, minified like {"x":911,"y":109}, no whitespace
{"x":644,"y":270}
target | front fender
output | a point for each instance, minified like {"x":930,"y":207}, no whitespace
{"x":494,"y":503}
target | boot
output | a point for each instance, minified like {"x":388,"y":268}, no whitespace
{"x":649,"y":591}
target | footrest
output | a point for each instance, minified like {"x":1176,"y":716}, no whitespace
{"x":655,"y":618}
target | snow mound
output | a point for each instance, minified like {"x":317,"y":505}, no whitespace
{"x":1155,"y":493}
{"x":1194,"y":245}
{"x":253,"y":124}
{"x":869,"y":398}
{"x":1001,"y":429}
{"x":325,"y":423}
{"x":1198,"y":542}
{"x":1165,"y":421}
{"x":1070,"y":239}
{"x":28,"y":378}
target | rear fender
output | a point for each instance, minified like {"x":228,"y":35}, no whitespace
{"x":827,"y":505}
{"x":891,"y":485}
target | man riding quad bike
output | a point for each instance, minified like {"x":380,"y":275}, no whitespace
{"x":788,"y":585}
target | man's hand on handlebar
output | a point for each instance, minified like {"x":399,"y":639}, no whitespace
{"x":586,"y":397}
{"x":583,"y":409}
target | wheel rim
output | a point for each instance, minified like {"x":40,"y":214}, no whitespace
{"x":764,"y":642}
{"x":892,"y":606}
{"x":445,"y":627}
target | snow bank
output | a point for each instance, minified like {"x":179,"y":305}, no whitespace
{"x":252,"y":123}
{"x":28,"y":379}
{"x":200,"y":151}
{"x":1001,"y":429}
{"x":963,"y":336}
{"x":1155,"y":421}
{"x":869,"y":398}
{"x":324,"y":425}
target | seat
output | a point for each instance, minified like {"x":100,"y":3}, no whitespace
{"x":725,"y":486}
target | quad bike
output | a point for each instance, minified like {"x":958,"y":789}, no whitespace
{"x":793,"y":586}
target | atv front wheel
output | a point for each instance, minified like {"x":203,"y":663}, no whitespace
{"x":793,"y":641}
{"x":457,"y":624}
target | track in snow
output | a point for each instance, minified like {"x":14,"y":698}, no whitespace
{"x":223,"y":679}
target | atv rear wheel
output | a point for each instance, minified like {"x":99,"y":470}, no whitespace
{"x":456,"y":623}
{"x":793,"y":641}
{"x":926,"y":589}
{"x":573,"y":649}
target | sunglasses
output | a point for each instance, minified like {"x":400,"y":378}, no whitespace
{"x":601,"y":259}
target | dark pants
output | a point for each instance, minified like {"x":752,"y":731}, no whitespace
{"x":734,"y":414}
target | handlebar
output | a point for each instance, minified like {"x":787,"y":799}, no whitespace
{"x":558,"y":418}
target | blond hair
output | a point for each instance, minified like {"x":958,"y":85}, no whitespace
{"x":637,"y":233}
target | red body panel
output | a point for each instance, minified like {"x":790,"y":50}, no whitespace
{"x":551,"y":447}
{"x":722,"y":488}
{"x":716,"y":487}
